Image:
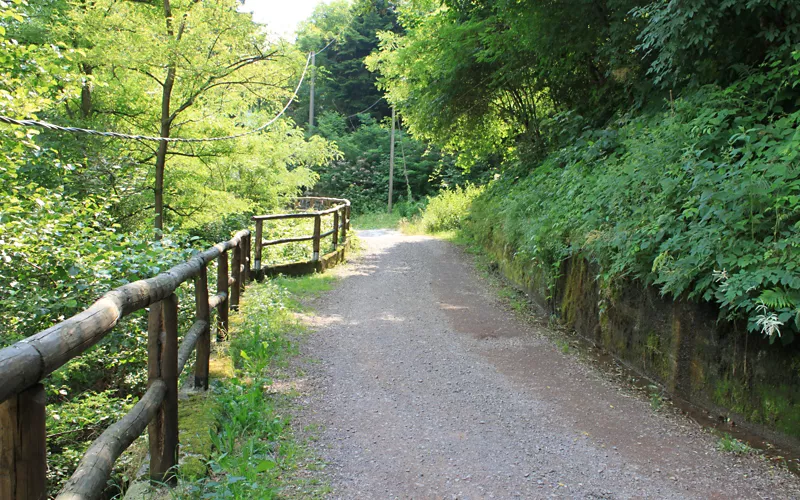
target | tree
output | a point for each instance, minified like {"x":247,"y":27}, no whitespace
{"x":344,"y":84}
{"x":180,"y":68}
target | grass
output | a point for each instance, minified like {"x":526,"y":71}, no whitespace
{"x":254,"y":451}
{"x":377,"y":220}
{"x":730,"y":444}
{"x":310,"y":286}
{"x":656,"y":401}
{"x":413,"y":226}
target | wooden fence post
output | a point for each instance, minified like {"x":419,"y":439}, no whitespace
{"x":248,"y":252}
{"x":343,"y":230}
{"x":243,"y":244}
{"x":222,"y":286}
{"x":236,"y":274}
{"x":163,"y":364}
{"x":202,"y":313}
{"x":317,"y":226}
{"x":23,"y":446}
{"x":259,"y":240}
{"x":335,"y":235}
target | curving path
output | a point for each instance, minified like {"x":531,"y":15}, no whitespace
{"x":427,"y":388}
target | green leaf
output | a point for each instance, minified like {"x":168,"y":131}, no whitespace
{"x":266,"y":465}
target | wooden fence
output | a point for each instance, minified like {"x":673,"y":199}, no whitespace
{"x":23,"y":441}
{"x":337,"y":208}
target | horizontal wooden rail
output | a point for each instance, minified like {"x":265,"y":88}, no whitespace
{"x":189,"y":342}
{"x":301,"y":215}
{"x":24,"y":364}
{"x":94,"y":469}
{"x":217,"y":299}
{"x":287,"y":240}
{"x":30,"y":360}
{"x":327,"y":233}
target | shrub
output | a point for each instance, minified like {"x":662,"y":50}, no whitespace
{"x":700,"y":200}
{"x":447,"y":210}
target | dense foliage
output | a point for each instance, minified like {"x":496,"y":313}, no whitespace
{"x":643,"y":200}
{"x":343,"y":83}
{"x":361,"y":174}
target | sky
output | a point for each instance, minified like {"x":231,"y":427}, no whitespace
{"x":281,"y":16}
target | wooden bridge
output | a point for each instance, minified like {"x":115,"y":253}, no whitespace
{"x":23,"y":366}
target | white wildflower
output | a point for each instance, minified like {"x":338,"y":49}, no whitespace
{"x":721,"y":277}
{"x":768,"y":321}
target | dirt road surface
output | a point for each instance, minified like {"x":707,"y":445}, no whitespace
{"x":425,"y":387}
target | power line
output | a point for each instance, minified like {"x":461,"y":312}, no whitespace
{"x":365,"y":110}
{"x":329,"y":44}
{"x":118,"y":135}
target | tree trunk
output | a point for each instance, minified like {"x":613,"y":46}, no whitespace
{"x":86,"y":92}
{"x":166,"y":122}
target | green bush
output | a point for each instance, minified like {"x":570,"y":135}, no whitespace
{"x":700,"y":200}
{"x":447,"y":210}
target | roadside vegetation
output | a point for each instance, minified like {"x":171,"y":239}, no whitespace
{"x":255,"y":452}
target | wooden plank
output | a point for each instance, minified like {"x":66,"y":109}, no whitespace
{"x":343,"y":237}
{"x":302,"y":215}
{"x":248,"y":265}
{"x":312,"y":198}
{"x":90,"y":478}
{"x":242,"y":266}
{"x":317,"y":225}
{"x":202,"y":314}
{"x":23,"y":446}
{"x":27,"y":362}
{"x":330,"y":210}
{"x":222,"y":287}
{"x":190,"y":341}
{"x":287,"y":240}
{"x":163,"y":429}
{"x":216,"y":300}
{"x":259,"y":243}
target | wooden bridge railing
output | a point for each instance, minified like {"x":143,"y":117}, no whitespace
{"x":338,"y":208}
{"x":23,"y":366}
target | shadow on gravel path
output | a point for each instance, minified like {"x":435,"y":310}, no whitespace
{"x":427,"y":388}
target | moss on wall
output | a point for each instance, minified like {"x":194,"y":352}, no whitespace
{"x":195,"y":424}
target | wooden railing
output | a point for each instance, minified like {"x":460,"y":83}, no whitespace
{"x":23,"y":366}
{"x":337,"y":208}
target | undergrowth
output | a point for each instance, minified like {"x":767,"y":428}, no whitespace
{"x":699,"y":200}
{"x":255,"y":453}
{"x":730,"y":444}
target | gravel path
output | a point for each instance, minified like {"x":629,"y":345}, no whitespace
{"x":427,"y":388}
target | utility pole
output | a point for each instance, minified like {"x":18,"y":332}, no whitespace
{"x":391,"y":163}
{"x":311,"y":99}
